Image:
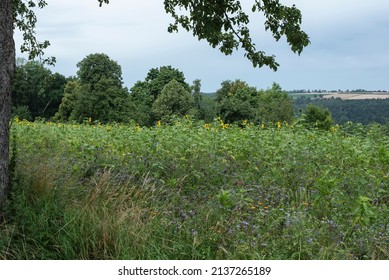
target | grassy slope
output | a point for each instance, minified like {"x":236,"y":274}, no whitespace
{"x":193,"y":192}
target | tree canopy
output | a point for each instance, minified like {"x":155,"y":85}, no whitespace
{"x":145,"y":93}
{"x":96,"y":66}
{"x":97,"y":93}
{"x":174,"y":100}
{"x":36,"y":90}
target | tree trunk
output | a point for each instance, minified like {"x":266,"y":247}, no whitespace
{"x":7,"y":68}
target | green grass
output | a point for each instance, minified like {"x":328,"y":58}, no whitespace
{"x":190,"y":191}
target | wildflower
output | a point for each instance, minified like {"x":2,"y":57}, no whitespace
{"x":263,"y":125}
{"x":278,"y":125}
{"x":89,"y":120}
{"x":17,"y":120}
{"x":158,"y":123}
{"x":207,"y":126}
{"x":245,"y":122}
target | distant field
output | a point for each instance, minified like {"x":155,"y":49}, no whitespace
{"x":357,"y":96}
{"x":344,"y":96}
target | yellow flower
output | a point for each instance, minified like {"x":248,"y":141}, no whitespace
{"x":89,"y":120}
{"x":159,"y":123}
{"x":207,"y":126}
{"x":245,"y":122}
{"x":278,"y":125}
{"x":263,"y":125}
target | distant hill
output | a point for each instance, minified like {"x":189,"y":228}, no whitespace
{"x":355,"y":109}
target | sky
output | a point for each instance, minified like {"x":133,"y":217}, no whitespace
{"x":348,"y":50}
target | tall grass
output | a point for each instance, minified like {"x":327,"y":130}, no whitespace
{"x":194,"y":191}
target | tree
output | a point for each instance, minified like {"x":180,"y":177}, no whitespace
{"x":97,"y":93}
{"x":174,"y":100}
{"x":196,"y":92}
{"x":145,"y":93}
{"x":68,"y":101}
{"x":275,"y":105}
{"x":37,"y":88}
{"x":222,"y":23}
{"x":97,"y":66}
{"x":105,"y":102}
{"x":158,"y":78}
{"x":7,"y":68}
{"x":237,"y":101}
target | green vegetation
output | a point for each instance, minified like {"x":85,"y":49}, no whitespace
{"x":197,"y":191}
{"x":36,"y":91}
{"x":357,"y":111}
{"x":238,"y":101}
{"x":317,"y":117}
{"x":97,"y":93}
{"x":174,"y":100}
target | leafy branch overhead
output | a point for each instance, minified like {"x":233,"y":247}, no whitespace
{"x":224,"y":24}
{"x":25,"y":20}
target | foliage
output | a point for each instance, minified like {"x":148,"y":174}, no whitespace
{"x":358,"y":111}
{"x":237,"y":101}
{"x":197,"y":97}
{"x":144,"y":93}
{"x":208,"y":108}
{"x":37,"y":88}
{"x":106,"y":102}
{"x":25,"y":20}
{"x":318,"y":117}
{"x":174,"y":100}
{"x":275,"y":105}
{"x":224,"y":24}
{"x":69,"y":100}
{"x":195,"y":191}
{"x":96,"y":66}
{"x":97,"y":94}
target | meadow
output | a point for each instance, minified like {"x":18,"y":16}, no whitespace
{"x":197,"y":191}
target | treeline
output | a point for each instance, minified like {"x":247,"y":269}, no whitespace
{"x":357,"y":111}
{"x":97,"y":93}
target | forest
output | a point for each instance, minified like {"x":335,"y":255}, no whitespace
{"x":358,"y":111}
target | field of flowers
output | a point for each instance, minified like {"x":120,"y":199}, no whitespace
{"x":197,"y":191}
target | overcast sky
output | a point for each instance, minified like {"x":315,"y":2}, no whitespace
{"x":349,"y":44}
